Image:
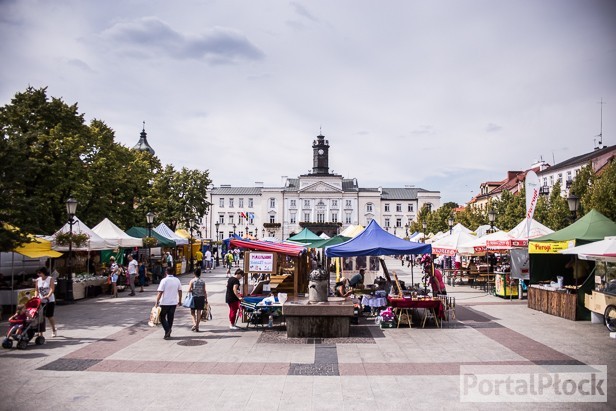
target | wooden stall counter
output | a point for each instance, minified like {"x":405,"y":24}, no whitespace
{"x":551,"y":301}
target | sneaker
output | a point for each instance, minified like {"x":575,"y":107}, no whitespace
{"x":233,"y":327}
{"x":53,"y":333}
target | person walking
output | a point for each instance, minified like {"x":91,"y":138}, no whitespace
{"x":142,"y":273}
{"x":229,"y":261}
{"x":169,"y":296}
{"x":199,"y":258}
{"x":199,"y":293}
{"x":233,"y":297}
{"x":45,"y":287}
{"x":132,"y":272}
{"x":114,"y":273}
{"x":208,"y":260}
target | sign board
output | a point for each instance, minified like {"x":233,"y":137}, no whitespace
{"x":260,"y":262}
{"x":520,"y":267}
{"x":549,"y":247}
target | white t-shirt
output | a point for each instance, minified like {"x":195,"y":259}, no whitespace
{"x":133,"y":265}
{"x":43,"y":287}
{"x":208,"y":255}
{"x":170,"y":285}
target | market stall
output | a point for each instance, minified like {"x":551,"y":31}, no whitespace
{"x":554,"y":274}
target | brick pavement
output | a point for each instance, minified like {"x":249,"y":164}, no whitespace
{"x":106,"y":341}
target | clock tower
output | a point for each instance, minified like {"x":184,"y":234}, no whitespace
{"x":320,"y":155}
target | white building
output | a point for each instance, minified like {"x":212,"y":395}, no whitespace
{"x":323,"y":202}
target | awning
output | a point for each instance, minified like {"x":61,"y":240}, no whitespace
{"x":38,"y":248}
{"x":282,"y":248}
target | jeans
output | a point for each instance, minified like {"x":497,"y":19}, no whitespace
{"x":167,"y":313}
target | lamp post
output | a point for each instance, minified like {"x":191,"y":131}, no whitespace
{"x":406,"y":228}
{"x":71,"y":208}
{"x":395,"y":230}
{"x":424,"y":225}
{"x":234,"y":227}
{"x":263,"y":233}
{"x":149,"y":218}
{"x":491,"y":219}
{"x":190,"y":243}
{"x":217,"y":246}
{"x":573,"y":202}
{"x":246,"y":234}
{"x":450,"y":223}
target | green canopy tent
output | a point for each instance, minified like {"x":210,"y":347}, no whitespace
{"x":305,"y":236}
{"x":546,"y":262}
{"x":322,"y":243}
{"x":141,"y":232}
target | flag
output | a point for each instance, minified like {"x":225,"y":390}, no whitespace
{"x":243,"y":215}
{"x":532,"y":195}
{"x":251,"y":216}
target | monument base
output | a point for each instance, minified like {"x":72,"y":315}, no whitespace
{"x":327,"y":319}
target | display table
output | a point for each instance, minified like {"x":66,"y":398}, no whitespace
{"x":504,"y":286}
{"x":433,"y":304}
{"x":552,"y":301}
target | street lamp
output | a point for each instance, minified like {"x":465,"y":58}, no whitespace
{"x":190,"y":224}
{"x":246,"y":235}
{"x":71,"y":208}
{"x":149,"y":218}
{"x":234,"y":227}
{"x":263,"y":233}
{"x":406,"y":228}
{"x":573,"y":202}
{"x":424,"y":225}
{"x":491,"y":219}
{"x":450,"y":222}
{"x":395,"y":230}
{"x":217,"y":246}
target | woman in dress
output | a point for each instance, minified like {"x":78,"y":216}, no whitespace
{"x":199,"y":293}
{"x":114,"y":272}
{"x":45,"y":287}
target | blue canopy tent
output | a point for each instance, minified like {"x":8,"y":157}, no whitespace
{"x":376,"y":241}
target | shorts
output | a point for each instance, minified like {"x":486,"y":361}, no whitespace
{"x":199,"y":303}
{"x":114,"y":278}
{"x":49,"y":308}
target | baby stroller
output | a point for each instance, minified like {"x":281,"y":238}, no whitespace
{"x":30,"y":327}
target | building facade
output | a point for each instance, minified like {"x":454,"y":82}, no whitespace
{"x":321,"y":201}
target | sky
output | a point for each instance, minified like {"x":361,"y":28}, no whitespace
{"x":441,"y":95}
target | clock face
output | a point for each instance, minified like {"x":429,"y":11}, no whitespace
{"x":321,"y":151}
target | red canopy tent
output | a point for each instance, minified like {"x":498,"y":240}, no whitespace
{"x":282,"y":248}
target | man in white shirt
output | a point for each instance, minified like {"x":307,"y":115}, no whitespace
{"x":169,"y":297}
{"x":208,"y":261}
{"x":133,"y":267}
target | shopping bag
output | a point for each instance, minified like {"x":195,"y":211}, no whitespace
{"x":206,"y":314}
{"x":154,"y":317}
{"x":188,"y":301}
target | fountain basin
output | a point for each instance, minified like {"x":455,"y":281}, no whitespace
{"x":323,"y":319}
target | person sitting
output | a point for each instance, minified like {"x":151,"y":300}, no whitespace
{"x":341,"y":288}
{"x":357,"y":281}
{"x":18,"y":320}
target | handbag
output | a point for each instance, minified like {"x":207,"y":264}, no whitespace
{"x":188,"y":301}
{"x":154,"y":317}
{"x":206,"y":314}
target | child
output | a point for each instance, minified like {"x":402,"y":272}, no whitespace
{"x":18,"y":320}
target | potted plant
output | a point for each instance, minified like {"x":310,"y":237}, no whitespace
{"x":74,"y":239}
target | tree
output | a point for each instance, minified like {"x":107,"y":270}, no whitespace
{"x":581,"y":187}
{"x":603,"y":192}
{"x":559,"y":215}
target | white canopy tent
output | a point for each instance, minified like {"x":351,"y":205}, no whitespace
{"x":604,"y":250}
{"x":479,"y":245}
{"x":94,"y":243}
{"x":518,"y":236}
{"x":451,"y":244}
{"x":112,"y":233}
{"x":165,"y":231}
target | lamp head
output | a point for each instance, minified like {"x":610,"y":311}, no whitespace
{"x":573,"y":202}
{"x":149,"y":217}
{"x":71,"y":207}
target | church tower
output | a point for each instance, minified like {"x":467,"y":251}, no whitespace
{"x":142,"y":144}
{"x":320,"y":155}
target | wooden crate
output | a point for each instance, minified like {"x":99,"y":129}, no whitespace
{"x":555,"y":303}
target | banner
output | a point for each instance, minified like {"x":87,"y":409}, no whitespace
{"x":519,"y":263}
{"x":532,"y":195}
{"x":549,"y":247}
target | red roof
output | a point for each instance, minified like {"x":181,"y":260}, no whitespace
{"x":282,"y":248}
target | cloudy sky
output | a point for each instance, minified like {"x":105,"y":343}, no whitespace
{"x":440,"y":94}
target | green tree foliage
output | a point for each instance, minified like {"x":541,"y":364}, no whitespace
{"x":48,"y":154}
{"x":559,"y":215}
{"x":471,"y":217}
{"x":602,"y":193}
{"x":581,"y":186}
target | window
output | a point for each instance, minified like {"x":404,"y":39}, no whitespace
{"x":387,"y":222}
{"x":398,"y":222}
{"x":347,"y":218}
{"x":250,"y":203}
{"x":560,"y":178}
{"x":545,"y":181}
{"x":230,"y":203}
{"x":293,"y":203}
{"x":320,"y":217}
{"x":221,"y":219}
{"x":569,"y":175}
{"x":272,"y":219}
{"x":251,"y":219}
{"x":369,"y":207}
{"x":306,"y":203}
{"x":348,"y":203}
{"x":410,"y":208}
{"x":293,"y":218}
{"x":240,"y":203}
{"x":386,"y":207}
{"x":221,"y":203}
{"x":334,"y":217}
{"x":398,"y":208}
{"x":231,"y":219}
{"x":306,"y":217}
{"x":334,"y":203}
{"x":551,"y":181}
{"x":272,"y":203}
